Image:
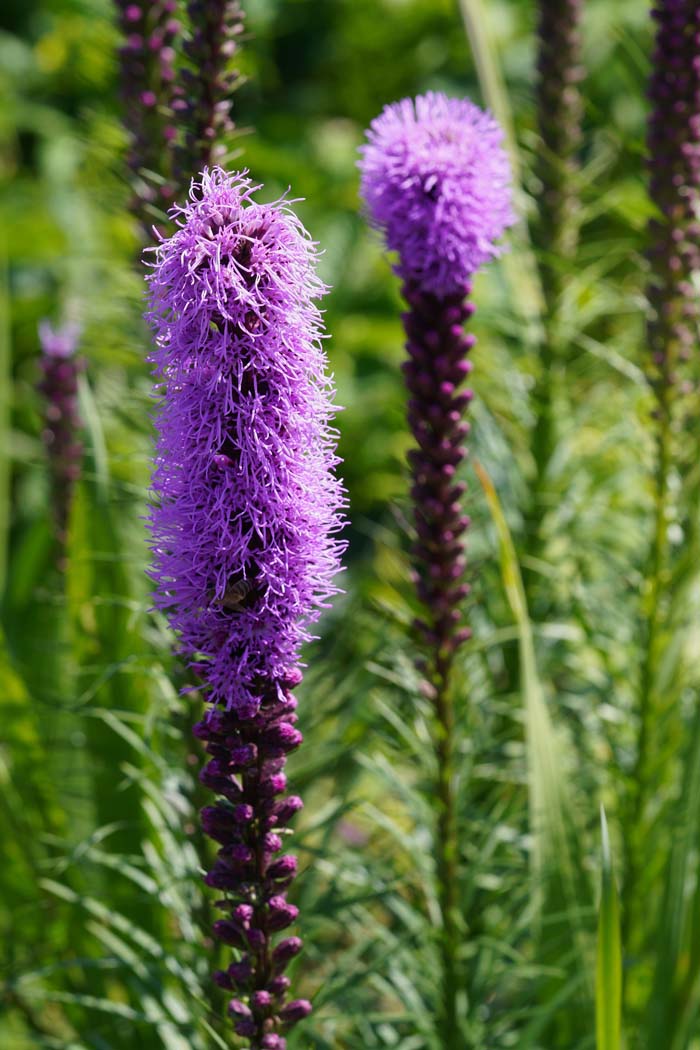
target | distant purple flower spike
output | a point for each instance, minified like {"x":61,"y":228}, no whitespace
{"x":244,"y":539}
{"x":674,"y":164}
{"x":559,"y":111}
{"x":435,"y":182}
{"x":672,"y":327}
{"x":203,"y":102}
{"x":147,"y":60}
{"x":59,"y":387}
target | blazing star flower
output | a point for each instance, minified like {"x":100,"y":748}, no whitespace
{"x":244,"y":533}
{"x":435,"y":183}
{"x":59,"y":386}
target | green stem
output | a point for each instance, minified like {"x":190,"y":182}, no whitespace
{"x":447,"y":854}
{"x":653,"y":627}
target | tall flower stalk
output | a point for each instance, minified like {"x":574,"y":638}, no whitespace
{"x":672,"y":331}
{"x":559,"y":115}
{"x":203,"y":102}
{"x":435,"y":182}
{"x":60,"y":368}
{"x":244,"y":542}
{"x":147,"y":67}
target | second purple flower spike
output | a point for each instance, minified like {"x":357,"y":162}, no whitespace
{"x":435,"y":180}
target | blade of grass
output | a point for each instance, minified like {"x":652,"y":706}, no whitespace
{"x":609,"y":955}
{"x":520,"y":268}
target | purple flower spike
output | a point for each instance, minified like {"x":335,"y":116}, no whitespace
{"x":203,"y":102}
{"x":559,"y":113}
{"x":674,"y":164}
{"x":435,"y":182}
{"x":59,"y":386}
{"x":244,"y":532}
{"x":147,"y":55}
{"x":244,"y":556}
{"x":672,"y":334}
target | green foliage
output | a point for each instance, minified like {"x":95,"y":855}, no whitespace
{"x":103,"y":923}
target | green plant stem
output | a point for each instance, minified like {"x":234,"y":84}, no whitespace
{"x":653,"y":628}
{"x":447,"y":853}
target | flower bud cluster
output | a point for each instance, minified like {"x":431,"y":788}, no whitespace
{"x":434,"y":373}
{"x":559,"y":113}
{"x":674,"y":165}
{"x":60,"y":369}
{"x":253,"y":871}
{"x":147,"y":60}
{"x":203,"y":102}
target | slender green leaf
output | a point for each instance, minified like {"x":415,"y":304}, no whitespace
{"x":609,"y":955}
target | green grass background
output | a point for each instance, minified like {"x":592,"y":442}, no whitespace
{"x":103,"y":925}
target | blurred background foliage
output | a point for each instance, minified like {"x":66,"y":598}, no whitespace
{"x":101,"y":911}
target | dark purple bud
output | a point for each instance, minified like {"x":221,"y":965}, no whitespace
{"x":272,"y":1041}
{"x":280,"y":913}
{"x":229,"y":933}
{"x":241,"y":971}
{"x":261,"y":1000}
{"x":245,"y":1028}
{"x":257,"y":939}
{"x":242,"y":914}
{"x":284,"y":868}
{"x":272,"y":843}
{"x":295,"y":1011}
{"x":278,"y":986}
{"x":285,"y":951}
{"x":244,"y":756}
{"x":223,"y":980}
{"x":274,"y":785}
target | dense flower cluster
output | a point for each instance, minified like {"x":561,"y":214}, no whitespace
{"x":249,"y":822}
{"x":59,"y":386}
{"x":435,"y":183}
{"x":436,"y":368}
{"x":244,"y":548}
{"x":204,"y":103}
{"x":674,"y":162}
{"x":147,"y":60}
{"x":244,"y":538}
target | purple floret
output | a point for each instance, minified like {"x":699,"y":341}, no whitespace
{"x":248,"y":503}
{"x":435,"y":180}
